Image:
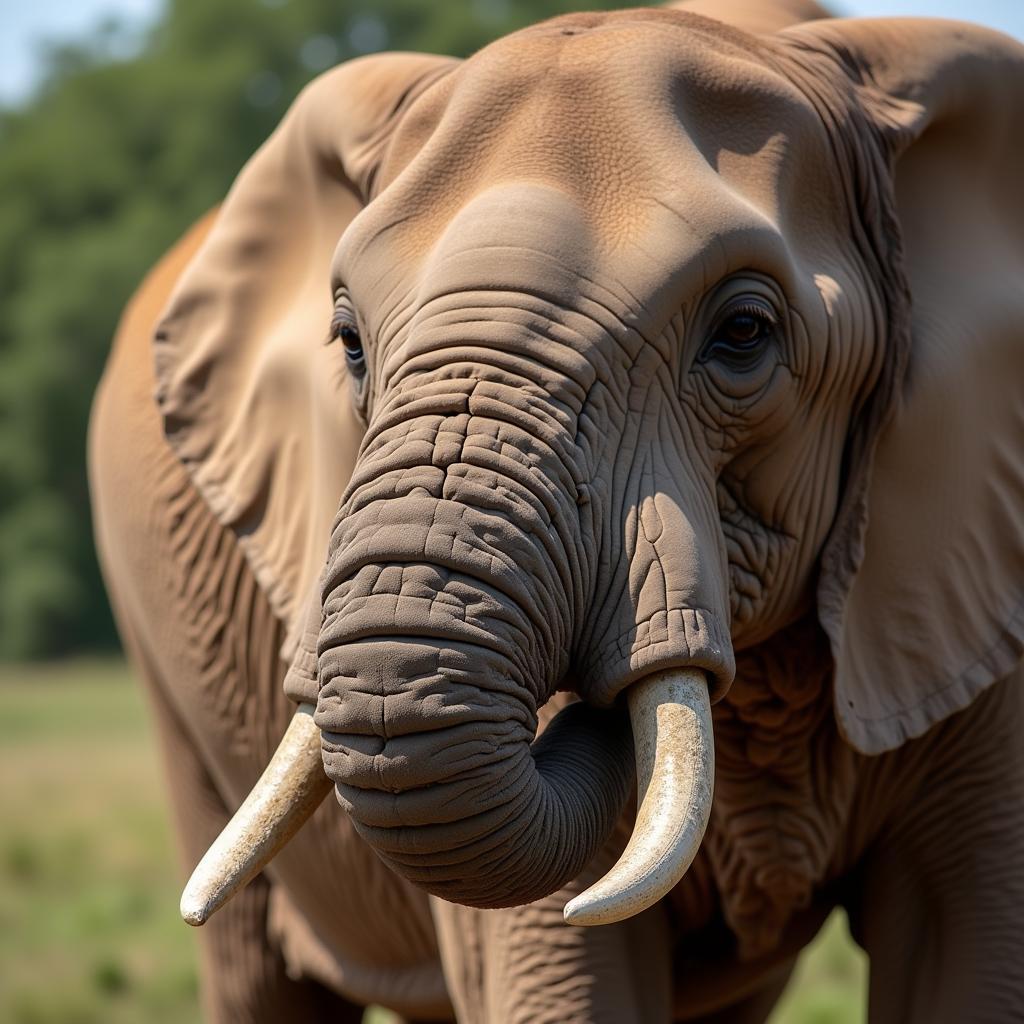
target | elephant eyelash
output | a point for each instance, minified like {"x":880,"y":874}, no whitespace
{"x":339,"y":321}
{"x":749,"y":308}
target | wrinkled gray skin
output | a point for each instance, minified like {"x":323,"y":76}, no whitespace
{"x":578,"y":469}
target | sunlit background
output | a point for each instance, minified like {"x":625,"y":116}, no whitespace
{"x":121,"y":121}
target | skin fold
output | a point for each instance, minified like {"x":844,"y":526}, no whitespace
{"x":662,"y":339}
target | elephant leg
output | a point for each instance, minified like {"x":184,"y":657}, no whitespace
{"x":243,"y":975}
{"x":941,"y":958}
{"x":524,"y":965}
{"x":941,"y":903}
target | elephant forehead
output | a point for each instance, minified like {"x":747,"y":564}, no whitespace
{"x":613,"y":112}
{"x":667,"y":136}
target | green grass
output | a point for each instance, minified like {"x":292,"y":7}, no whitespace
{"x":89,"y":926}
{"x":830,"y":983}
{"x":89,"y":929}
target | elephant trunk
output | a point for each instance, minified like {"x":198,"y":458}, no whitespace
{"x":453,"y":584}
{"x":447,"y":624}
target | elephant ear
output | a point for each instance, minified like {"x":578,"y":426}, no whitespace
{"x":255,"y":404}
{"x":922,"y":584}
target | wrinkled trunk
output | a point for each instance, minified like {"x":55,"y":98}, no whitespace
{"x":448,"y":604}
{"x":469,"y":810}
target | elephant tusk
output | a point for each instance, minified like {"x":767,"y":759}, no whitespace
{"x":675,"y":766}
{"x":290,"y":789}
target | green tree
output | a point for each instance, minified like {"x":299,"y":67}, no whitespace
{"x":108,"y":163}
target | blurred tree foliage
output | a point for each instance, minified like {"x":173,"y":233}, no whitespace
{"x":108,"y":163}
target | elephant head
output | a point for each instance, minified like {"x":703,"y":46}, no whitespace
{"x":660,"y":334}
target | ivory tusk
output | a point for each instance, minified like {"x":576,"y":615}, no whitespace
{"x":675,"y":769}
{"x":290,"y":789}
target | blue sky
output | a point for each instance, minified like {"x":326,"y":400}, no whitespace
{"x":26,"y":24}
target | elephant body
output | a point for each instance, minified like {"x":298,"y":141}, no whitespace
{"x":214,"y":505}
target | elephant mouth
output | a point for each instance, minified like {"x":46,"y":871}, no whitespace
{"x":670,"y":715}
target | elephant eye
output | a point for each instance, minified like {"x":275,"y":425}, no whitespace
{"x":346,"y":331}
{"x":741,"y":333}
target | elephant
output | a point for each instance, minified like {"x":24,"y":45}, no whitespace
{"x":602,"y":460}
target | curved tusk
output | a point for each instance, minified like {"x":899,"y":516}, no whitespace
{"x":290,"y":789}
{"x":675,"y":768}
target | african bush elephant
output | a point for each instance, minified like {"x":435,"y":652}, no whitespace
{"x":640,"y":363}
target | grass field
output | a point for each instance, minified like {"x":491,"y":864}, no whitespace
{"x":89,"y":927}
